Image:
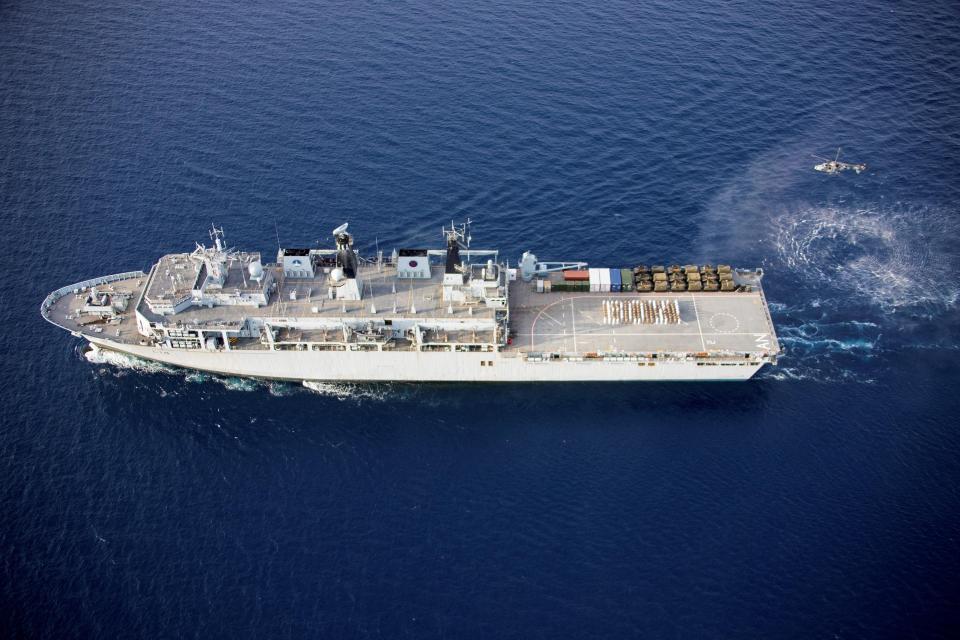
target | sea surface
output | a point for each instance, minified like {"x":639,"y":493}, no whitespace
{"x":819,"y":500}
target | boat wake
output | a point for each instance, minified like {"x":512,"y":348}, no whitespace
{"x":352,"y":392}
{"x":118,"y":365}
{"x":818,"y":348}
{"x":121,"y":364}
{"x":897,"y":259}
{"x":871,"y":281}
{"x":863,"y":280}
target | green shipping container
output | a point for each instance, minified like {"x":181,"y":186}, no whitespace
{"x":626,"y":277}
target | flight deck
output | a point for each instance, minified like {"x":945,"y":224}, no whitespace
{"x":578,"y":323}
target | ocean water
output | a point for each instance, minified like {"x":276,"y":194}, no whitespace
{"x":819,"y":500}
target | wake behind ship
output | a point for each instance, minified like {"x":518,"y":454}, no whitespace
{"x":449,"y":314}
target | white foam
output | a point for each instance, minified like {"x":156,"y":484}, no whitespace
{"x":345,"y":391}
{"x":894,"y":258}
{"x":228,"y":382}
{"x":889,"y":265}
{"x":124,"y":362}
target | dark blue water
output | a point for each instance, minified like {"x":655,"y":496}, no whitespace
{"x":820,"y":500}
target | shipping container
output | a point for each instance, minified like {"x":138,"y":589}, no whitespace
{"x":604,"y":276}
{"x":576,"y":275}
{"x":594,"y":280}
{"x":539,"y":285}
{"x":615,"y":280}
{"x":547,"y":286}
{"x":626,"y":280}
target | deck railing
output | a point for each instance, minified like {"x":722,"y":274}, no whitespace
{"x":51,"y":299}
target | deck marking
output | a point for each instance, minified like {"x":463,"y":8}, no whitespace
{"x":642,"y":335}
{"x":724,"y":314}
{"x":573,"y":319}
{"x":596,"y":331}
{"x":549,"y":317}
{"x":703,"y":342}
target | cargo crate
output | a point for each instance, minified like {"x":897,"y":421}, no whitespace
{"x":594,"y":279}
{"x":604,"y":277}
{"x":615,"y":280}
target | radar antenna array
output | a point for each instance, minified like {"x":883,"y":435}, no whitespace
{"x":217,"y":236}
{"x":460,"y":233}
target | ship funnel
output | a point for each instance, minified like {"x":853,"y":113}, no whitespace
{"x":454,"y":265}
{"x":343,"y":239}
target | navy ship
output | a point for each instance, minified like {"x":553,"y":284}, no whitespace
{"x":452,"y":313}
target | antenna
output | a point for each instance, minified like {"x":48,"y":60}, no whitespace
{"x":461,"y":234}
{"x":276,"y":230}
{"x":217,"y":236}
{"x":341,"y":229}
{"x":838,"y":155}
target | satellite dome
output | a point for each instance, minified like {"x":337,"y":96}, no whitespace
{"x":528,"y":266}
{"x":255,"y":269}
{"x":337,"y":275}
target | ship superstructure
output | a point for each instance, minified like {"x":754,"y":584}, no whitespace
{"x":451,"y":313}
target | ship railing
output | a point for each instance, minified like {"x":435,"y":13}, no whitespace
{"x":52,"y":299}
{"x":766,"y":311}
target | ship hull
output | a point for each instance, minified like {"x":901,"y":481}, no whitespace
{"x":327,"y":366}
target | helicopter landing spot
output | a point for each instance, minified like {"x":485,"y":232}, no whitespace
{"x":582,"y":322}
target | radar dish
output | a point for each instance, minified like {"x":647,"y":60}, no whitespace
{"x":341,"y":229}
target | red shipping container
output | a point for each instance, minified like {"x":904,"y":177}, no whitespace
{"x":576,"y":275}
